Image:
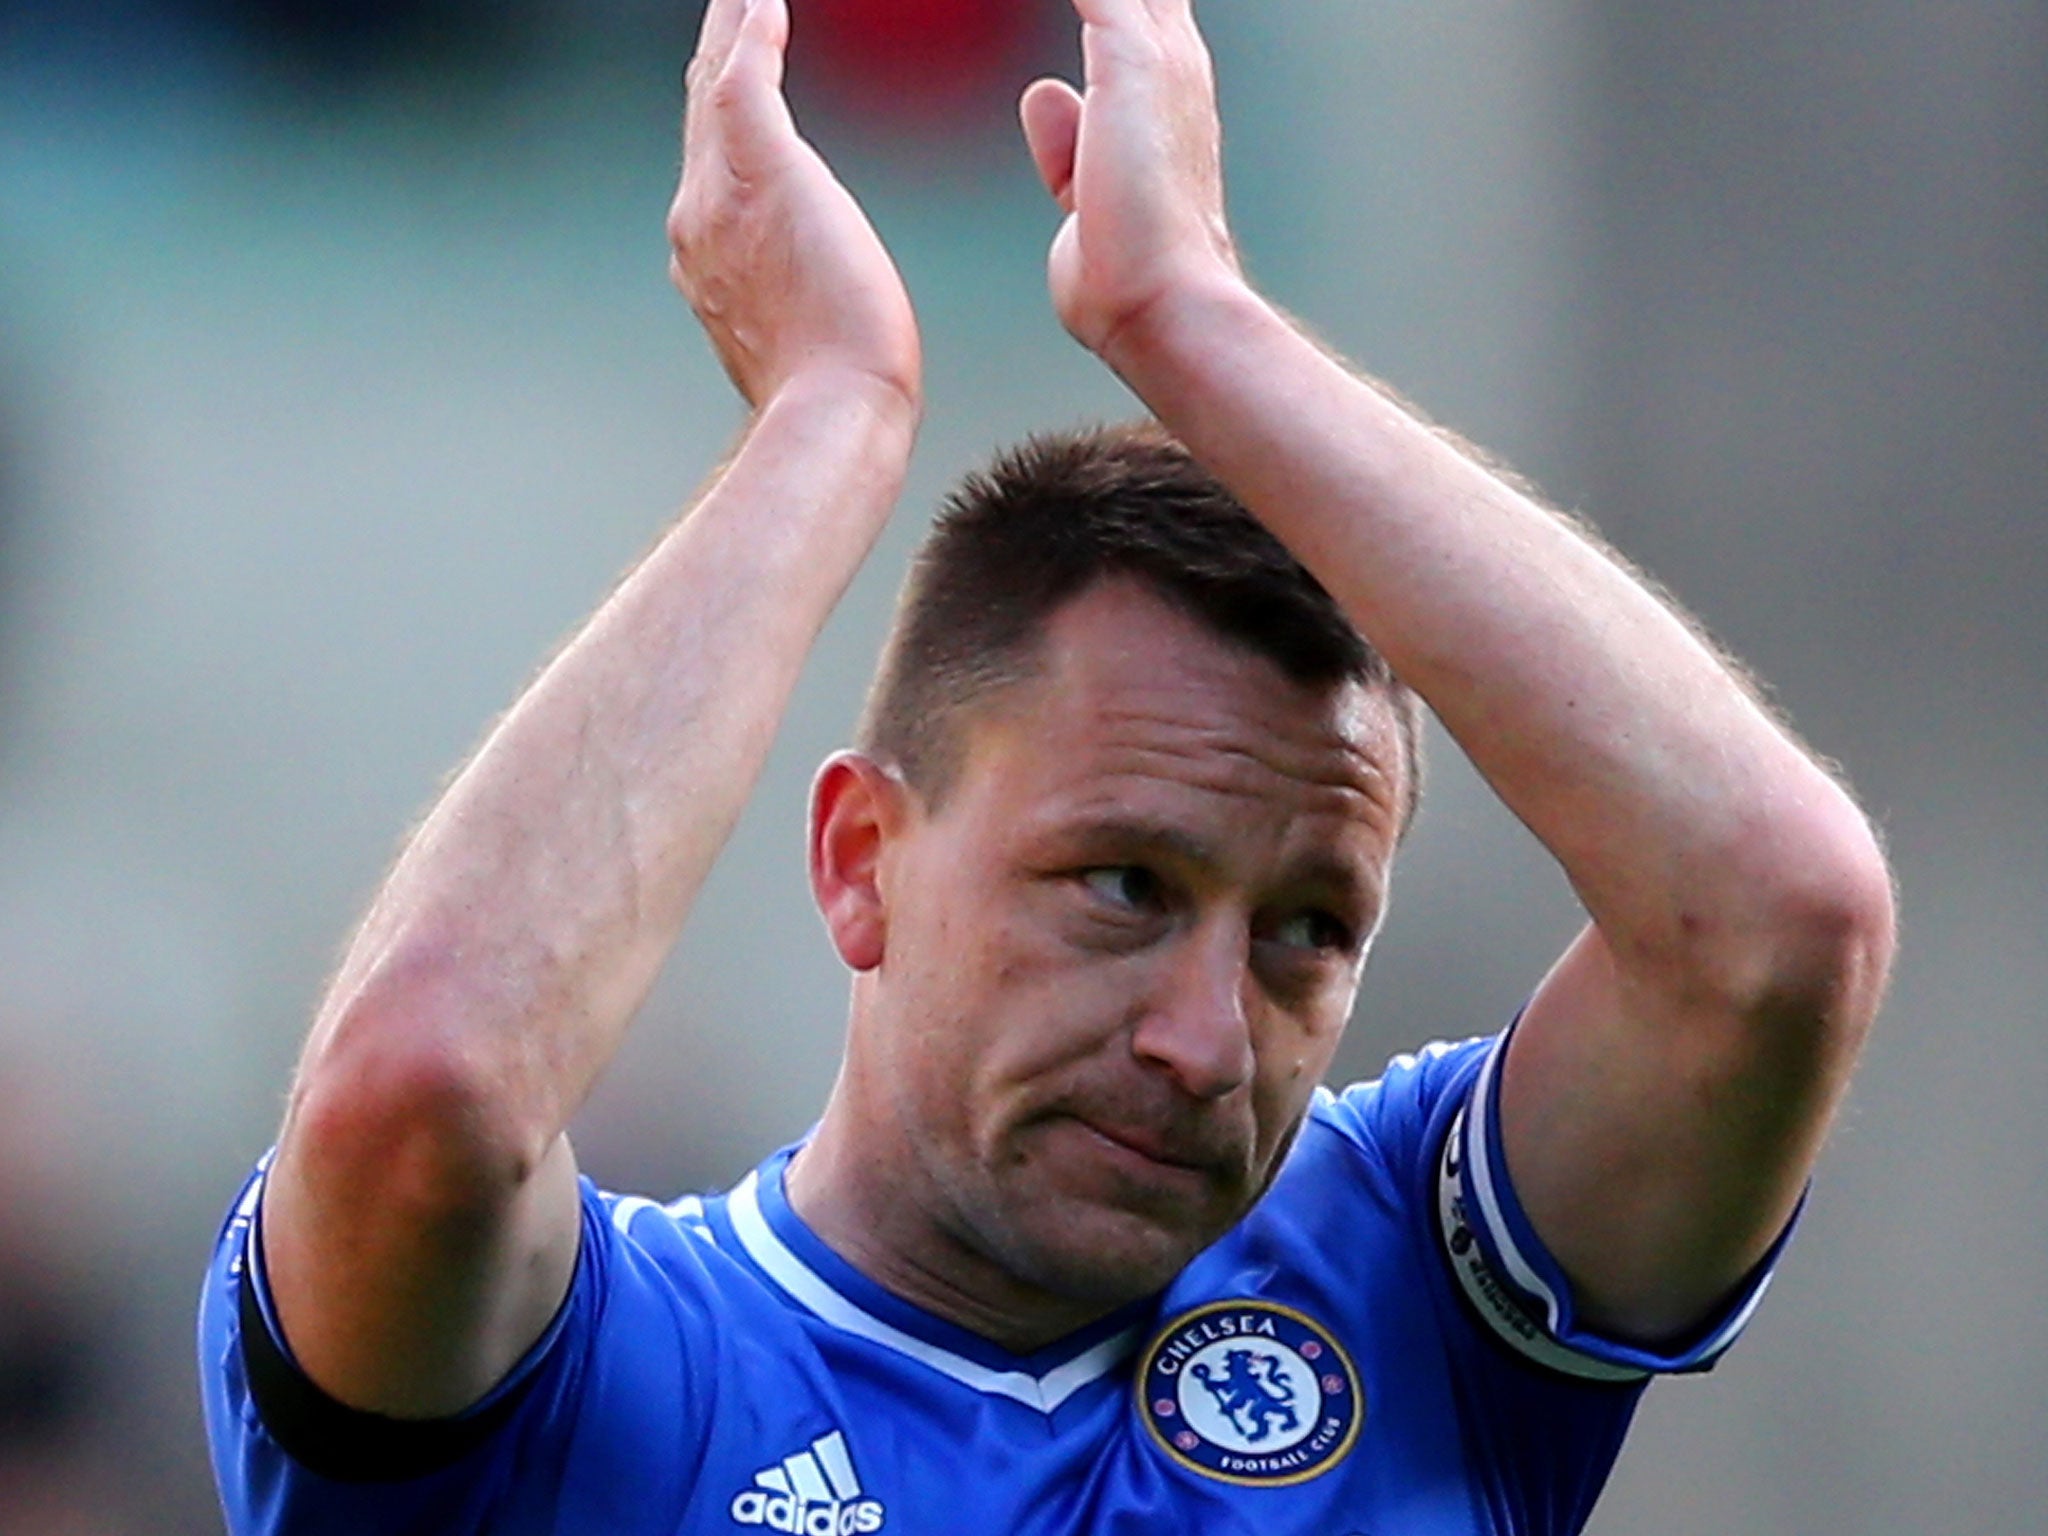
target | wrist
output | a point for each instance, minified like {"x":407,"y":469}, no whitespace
{"x":1188,"y":323}
{"x":1220,"y":367}
{"x":881,"y":412}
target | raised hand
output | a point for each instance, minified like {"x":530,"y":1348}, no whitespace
{"x":1136,"y":163}
{"x":774,"y":255}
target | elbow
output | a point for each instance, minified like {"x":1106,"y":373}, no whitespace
{"x":1785,"y":934}
{"x":398,"y":1102}
{"x":1818,"y":928}
{"x":1833,"y":941}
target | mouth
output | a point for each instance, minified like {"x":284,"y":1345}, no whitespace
{"x":1149,"y":1152}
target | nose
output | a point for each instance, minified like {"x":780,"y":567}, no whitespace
{"x":1194,"y":1023}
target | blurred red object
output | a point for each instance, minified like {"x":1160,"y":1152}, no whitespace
{"x":917,"y":59}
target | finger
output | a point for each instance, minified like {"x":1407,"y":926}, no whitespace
{"x":743,"y":41}
{"x":715,"y":35}
{"x":1178,"y":18}
{"x":1050,"y":112}
{"x":714,"y":41}
{"x":1140,"y":28}
{"x":737,"y":115}
{"x":762,"y":42}
{"x":1111,"y":13}
{"x":747,"y":94}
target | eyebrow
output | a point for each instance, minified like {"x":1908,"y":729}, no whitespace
{"x":1318,"y":869}
{"x":1126,"y":831}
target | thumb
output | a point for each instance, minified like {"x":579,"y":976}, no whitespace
{"x":1050,"y":112}
{"x":1064,"y":279}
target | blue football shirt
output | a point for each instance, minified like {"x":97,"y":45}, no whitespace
{"x":1381,"y":1348}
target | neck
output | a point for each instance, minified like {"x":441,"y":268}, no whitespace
{"x":868,"y":1200}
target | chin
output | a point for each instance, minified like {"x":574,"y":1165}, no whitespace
{"x":1094,"y":1255}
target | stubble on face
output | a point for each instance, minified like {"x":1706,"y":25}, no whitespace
{"x":1068,"y":1206}
{"x":1046,"y":1155}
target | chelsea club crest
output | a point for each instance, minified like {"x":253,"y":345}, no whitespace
{"x":1250,"y":1392}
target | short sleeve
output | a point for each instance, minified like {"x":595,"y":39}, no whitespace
{"x":1434,"y":1117}
{"x":291,"y":1461}
{"x":1514,"y":1284}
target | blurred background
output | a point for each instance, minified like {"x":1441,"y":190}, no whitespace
{"x":339,"y":375}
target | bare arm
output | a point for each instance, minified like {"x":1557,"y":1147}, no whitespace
{"x":420,"y":1222}
{"x":1673,"y":1077}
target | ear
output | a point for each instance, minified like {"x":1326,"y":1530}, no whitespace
{"x":857,"y":805}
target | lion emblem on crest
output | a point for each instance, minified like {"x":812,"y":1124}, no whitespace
{"x":1252,"y":1391}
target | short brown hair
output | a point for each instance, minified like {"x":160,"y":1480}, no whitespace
{"x":1049,"y":519}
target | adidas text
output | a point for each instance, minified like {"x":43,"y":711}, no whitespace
{"x":815,"y":1492}
{"x":786,"y":1512}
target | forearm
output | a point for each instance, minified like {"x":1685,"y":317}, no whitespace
{"x":420,"y":1222}
{"x":524,"y":923}
{"x":1686,"y":818}
{"x":1673,"y":1074}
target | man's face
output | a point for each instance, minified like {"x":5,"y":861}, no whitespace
{"x":1121,"y":951}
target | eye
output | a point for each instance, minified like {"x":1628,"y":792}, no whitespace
{"x":1313,"y":930}
{"x":1124,"y":885}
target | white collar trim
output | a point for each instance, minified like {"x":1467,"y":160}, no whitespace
{"x":810,"y":1291}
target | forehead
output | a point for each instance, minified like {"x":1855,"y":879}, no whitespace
{"x":1137,"y":710}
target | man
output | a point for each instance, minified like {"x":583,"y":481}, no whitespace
{"x":1105,"y":872}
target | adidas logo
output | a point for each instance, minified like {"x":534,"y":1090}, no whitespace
{"x":813,"y":1493}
